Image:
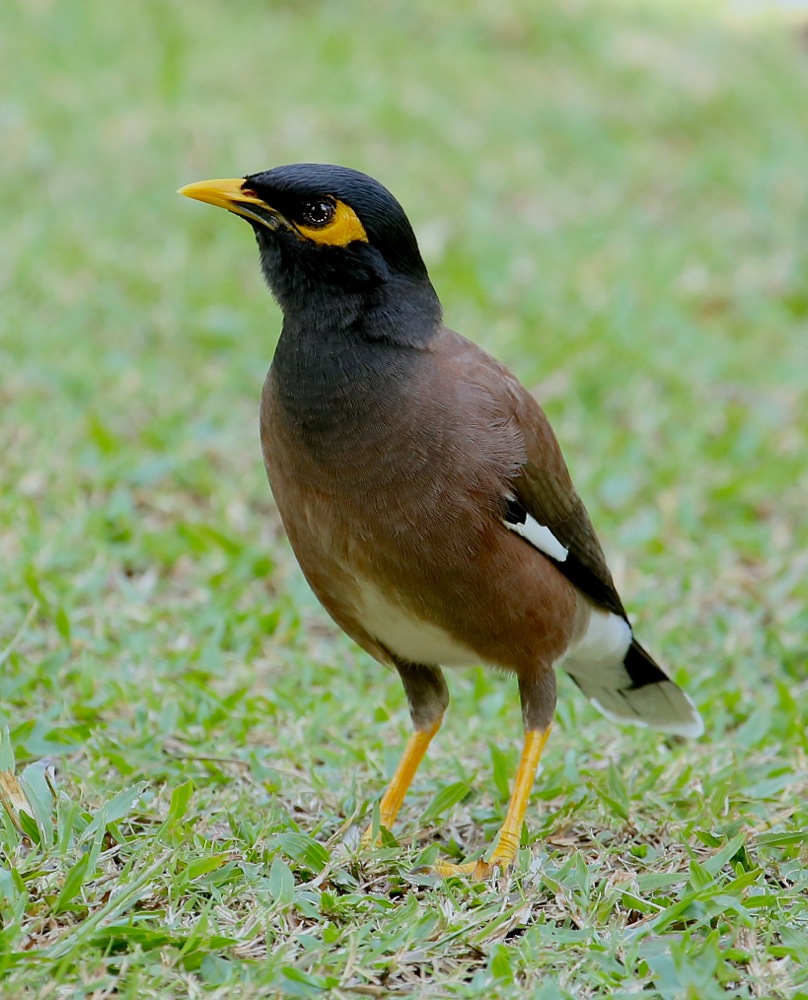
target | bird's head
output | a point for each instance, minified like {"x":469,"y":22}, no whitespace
{"x":323,"y":232}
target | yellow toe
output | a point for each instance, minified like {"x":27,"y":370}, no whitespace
{"x":480,"y":871}
{"x":447,"y":870}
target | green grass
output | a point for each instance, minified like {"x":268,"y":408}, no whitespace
{"x":611,"y":197}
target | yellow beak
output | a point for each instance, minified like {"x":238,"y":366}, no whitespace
{"x":229,"y":193}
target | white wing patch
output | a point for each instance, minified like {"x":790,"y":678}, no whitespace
{"x":540,"y":537}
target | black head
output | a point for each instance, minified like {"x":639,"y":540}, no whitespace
{"x":323,"y":231}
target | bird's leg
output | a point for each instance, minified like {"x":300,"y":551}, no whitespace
{"x":402,"y":778}
{"x":428,"y":697}
{"x":508,"y":841}
{"x":538,"y":693}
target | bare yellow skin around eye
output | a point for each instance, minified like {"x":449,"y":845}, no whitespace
{"x":343,"y":229}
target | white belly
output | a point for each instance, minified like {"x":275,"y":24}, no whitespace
{"x":410,"y":638}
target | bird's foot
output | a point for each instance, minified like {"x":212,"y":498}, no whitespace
{"x":480,"y":871}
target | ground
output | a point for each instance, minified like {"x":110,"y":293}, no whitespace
{"x":611,"y":197}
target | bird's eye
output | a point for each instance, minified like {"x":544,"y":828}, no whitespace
{"x":318,"y":213}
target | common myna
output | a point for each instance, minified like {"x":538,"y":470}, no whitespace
{"x":422,"y":489}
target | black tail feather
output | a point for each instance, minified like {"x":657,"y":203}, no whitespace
{"x":641,"y":667}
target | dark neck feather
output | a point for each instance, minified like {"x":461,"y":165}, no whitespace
{"x":353,"y":329}
{"x":342,"y":357}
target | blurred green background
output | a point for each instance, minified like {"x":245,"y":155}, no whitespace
{"x":611,"y":196}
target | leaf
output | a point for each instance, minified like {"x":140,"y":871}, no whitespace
{"x":281,"y":881}
{"x":7,"y":761}
{"x":35,"y":785}
{"x":203,"y":866}
{"x":744,"y":880}
{"x":500,"y":965}
{"x":11,"y":886}
{"x":301,"y":847}
{"x":652,"y":881}
{"x":180,"y":800}
{"x":29,"y":827}
{"x":672,"y":913}
{"x":131,"y":936}
{"x":62,"y":623}
{"x":215,"y":970}
{"x":700,"y":878}
{"x":714,"y":864}
{"x":113,"y":810}
{"x":618,"y":796}
{"x":375,"y":823}
{"x":445,"y":799}
{"x":71,"y":887}
{"x":304,"y":984}
{"x":783,"y":839}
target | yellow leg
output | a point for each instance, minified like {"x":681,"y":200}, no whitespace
{"x":508,"y":840}
{"x":402,"y":779}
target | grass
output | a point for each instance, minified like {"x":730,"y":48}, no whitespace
{"x":611,"y":197}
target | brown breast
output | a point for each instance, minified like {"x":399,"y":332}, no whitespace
{"x":396,"y":521}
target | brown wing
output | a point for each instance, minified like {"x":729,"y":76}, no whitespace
{"x":541,"y":485}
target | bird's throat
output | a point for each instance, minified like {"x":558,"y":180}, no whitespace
{"x":335,"y":388}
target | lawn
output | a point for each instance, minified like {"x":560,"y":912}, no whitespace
{"x":611,"y":196}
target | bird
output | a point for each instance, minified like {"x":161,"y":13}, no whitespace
{"x":421,"y":487}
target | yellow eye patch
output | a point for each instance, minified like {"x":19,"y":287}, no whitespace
{"x":344,"y":228}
